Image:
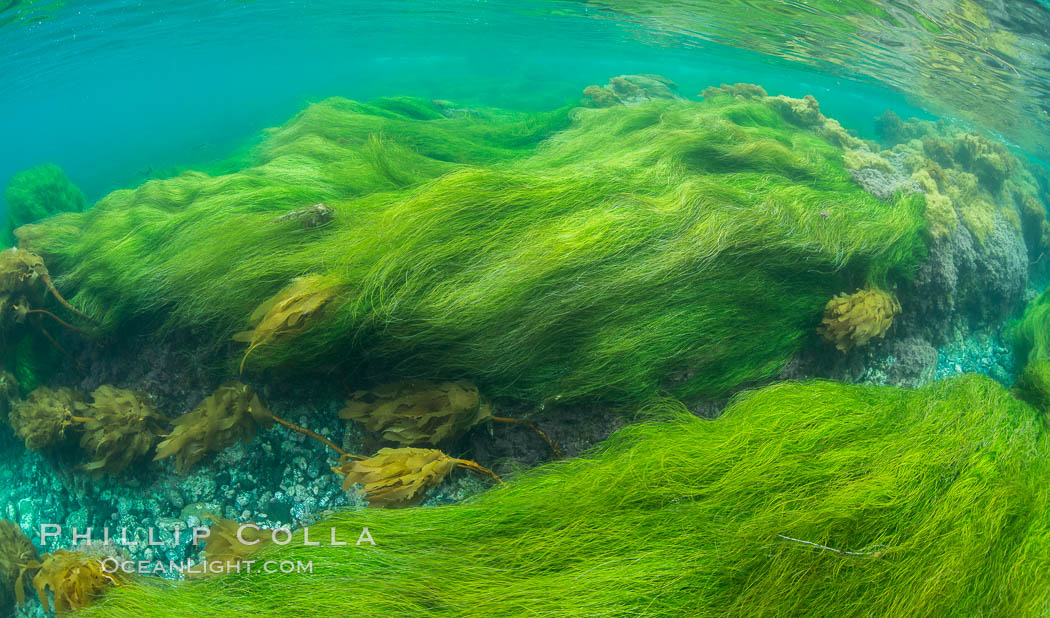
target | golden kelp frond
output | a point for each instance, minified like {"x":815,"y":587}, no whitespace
{"x":43,"y":418}
{"x":19,"y":269}
{"x":222,"y":544}
{"x":227,"y":415}
{"x":854,"y":319}
{"x":418,"y":412}
{"x":120,"y":428}
{"x":75,"y":579}
{"x":397,"y":476}
{"x":16,"y":552}
{"x":288,"y":313}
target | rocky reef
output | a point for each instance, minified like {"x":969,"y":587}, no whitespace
{"x":987,"y":238}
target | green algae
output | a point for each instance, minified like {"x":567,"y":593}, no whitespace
{"x":1031,"y":333}
{"x":817,"y":499}
{"x":37,"y":193}
{"x":1033,"y":384}
{"x":1030,"y":336}
{"x":563,"y":255}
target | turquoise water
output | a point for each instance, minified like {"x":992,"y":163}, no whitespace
{"x":116,"y":91}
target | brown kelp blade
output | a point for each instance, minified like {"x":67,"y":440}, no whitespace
{"x":398,"y":477}
{"x":288,"y":313}
{"x":418,"y":411}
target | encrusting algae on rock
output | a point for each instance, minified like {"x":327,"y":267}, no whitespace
{"x":631,"y":90}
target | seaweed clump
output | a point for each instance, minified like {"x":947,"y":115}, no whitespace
{"x":121,"y":427}
{"x":16,"y":553}
{"x":75,"y":579}
{"x":224,"y":541}
{"x":44,"y":418}
{"x":397,"y":477}
{"x":418,"y":412}
{"x":229,"y":414}
{"x":852,"y":320}
{"x":20,"y":270}
{"x":118,"y":425}
{"x":288,"y":313}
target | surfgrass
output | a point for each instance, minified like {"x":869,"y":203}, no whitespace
{"x":603,"y":253}
{"x":816,"y":499}
{"x":1031,"y":333}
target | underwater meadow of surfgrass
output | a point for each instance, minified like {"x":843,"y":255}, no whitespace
{"x":816,"y":498}
{"x":692,"y":240}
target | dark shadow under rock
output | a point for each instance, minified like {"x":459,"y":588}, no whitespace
{"x":506,"y":446}
{"x":176,"y":370}
{"x":909,"y":362}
